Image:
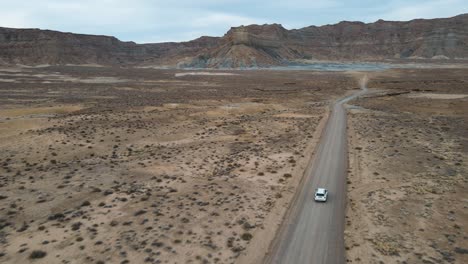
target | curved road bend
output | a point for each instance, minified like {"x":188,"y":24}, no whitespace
{"x":313,"y":233}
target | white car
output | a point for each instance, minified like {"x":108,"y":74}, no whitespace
{"x":321,"y":195}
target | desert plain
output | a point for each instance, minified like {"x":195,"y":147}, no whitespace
{"x":132,"y":165}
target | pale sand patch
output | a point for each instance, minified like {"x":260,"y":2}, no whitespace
{"x":39,"y":110}
{"x":438,"y":96}
{"x":171,"y":105}
{"x":7,"y":80}
{"x":141,"y":89}
{"x":49,"y":78}
{"x":86,"y":65}
{"x":162,"y":81}
{"x":243,"y":105}
{"x":14,"y":127}
{"x":240,"y":108}
{"x":102,"y":97}
{"x":225,"y":111}
{"x":167,"y":107}
{"x":66,"y":78}
{"x":101,"y":80}
{"x":294,"y":115}
{"x":193,"y":140}
{"x":12,"y":91}
{"x":181,"y":74}
{"x":11,"y":69}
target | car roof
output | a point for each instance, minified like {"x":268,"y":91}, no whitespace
{"x":321,"y":190}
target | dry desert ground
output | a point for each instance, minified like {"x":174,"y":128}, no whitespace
{"x":109,"y":165}
{"x":114,"y":165}
{"x":408,"y":174}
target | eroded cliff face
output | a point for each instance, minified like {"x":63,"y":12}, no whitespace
{"x":267,"y":45}
{"x":385,"y":39}
{"x":248,"y":46}
{"x":271,"y":36}
{"x":34,"y":47}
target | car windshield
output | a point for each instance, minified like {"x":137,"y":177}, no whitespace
{"x":319,"y":194}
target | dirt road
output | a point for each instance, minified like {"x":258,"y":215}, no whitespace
{"x":313,"y":232}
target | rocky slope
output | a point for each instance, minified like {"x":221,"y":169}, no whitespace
{"x":34,"y":46}
{"x":247,"y":46}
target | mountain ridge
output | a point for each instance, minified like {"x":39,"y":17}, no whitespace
{"x":248,"y":46}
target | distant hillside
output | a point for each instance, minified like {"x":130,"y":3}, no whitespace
{"x":247,"y":46}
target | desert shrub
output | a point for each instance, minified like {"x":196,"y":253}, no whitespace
{"x":36,"y":254}
{"x":246,"y":236}
{"x":76,"y":226}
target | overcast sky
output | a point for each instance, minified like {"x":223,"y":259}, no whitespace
{"x":145,"y":21}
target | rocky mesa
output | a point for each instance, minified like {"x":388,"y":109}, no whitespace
{"x":248,"y":46}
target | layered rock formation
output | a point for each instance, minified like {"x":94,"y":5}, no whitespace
{"x":34,"y":46}
{"x":248,"y":46}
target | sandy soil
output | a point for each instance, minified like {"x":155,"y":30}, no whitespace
{"x":182,"y":74}
{"x":438,"y":96}
{"x":407,"y":186}
{"x":141,"y":166}
{"x":110,"y":165}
